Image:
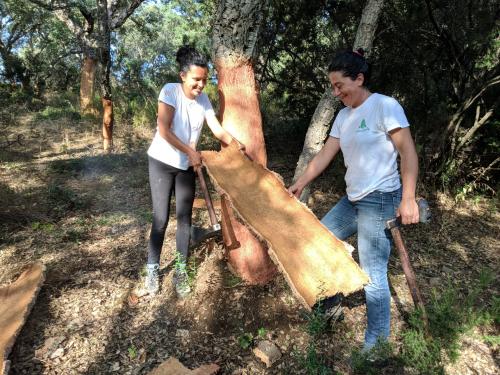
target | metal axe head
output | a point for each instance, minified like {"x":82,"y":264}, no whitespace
{"x":424,"y":214}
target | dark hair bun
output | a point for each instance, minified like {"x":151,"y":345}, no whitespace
{"x":187,"y":56}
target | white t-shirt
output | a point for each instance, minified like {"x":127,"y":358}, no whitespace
{"x":188,"y":120}
{"x":369,"y":154}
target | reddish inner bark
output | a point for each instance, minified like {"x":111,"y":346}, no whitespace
{"x":240,"y":112}
{"x":240,"y":116}
{"x":107,"y":123}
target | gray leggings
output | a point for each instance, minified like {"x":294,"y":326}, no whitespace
{"x":165,"y":179}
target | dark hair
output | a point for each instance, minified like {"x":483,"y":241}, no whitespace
{"x":187,"y":56}
{"x":350,"y":63}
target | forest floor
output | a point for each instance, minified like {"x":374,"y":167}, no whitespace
{"x":86,"y":215}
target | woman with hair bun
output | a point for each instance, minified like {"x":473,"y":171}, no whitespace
{"x":182,"y":110}
{"x":371,"y":131}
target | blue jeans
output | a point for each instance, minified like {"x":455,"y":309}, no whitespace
{"x":367,"y":217}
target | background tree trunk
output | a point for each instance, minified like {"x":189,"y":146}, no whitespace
{"x":87,"y":80}
{"x":235,"y":38}
{"x":328,"y":105}
{"x":104,"y":51}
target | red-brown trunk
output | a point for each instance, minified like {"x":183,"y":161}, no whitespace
{"x":87,"y":85}
{"x":240,"y":115}
{"x":107,"y":124}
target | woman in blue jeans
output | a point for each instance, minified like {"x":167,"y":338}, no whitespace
{"x":372,"y":130}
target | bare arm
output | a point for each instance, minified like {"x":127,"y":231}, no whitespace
{"x":408,"y":209}
{"x":221,"y":133}
{"x":218,"y":130}
{"x":165,"y":118}
{"x":317,"y":165}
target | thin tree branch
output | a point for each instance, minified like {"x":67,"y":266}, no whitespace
{"x":120,"y":15}
{"x":475,"y":127}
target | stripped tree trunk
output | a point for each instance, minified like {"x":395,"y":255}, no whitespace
{"x":104,"y":48}
{"x":235,"y":38}
{"x":87,"y":80}
{"x":328,"y":105}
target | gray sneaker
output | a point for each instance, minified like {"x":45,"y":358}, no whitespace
{"x":152,"y":282}
{"x":181,"y":281}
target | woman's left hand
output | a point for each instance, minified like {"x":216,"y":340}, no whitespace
{"x":408,"y":211}
{"x":241,"y":146}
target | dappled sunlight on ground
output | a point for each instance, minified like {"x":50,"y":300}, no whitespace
{"x":86,"y":215}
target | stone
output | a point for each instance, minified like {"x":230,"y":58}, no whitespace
{"x":267,"y":352}
{"x":59,"y":352}
{"x":172,"y":366}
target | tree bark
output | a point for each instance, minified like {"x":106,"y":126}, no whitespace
{"x":87,"y":80}
{"x":235,"y":38}
{"x":104,"y":52}
{"x":107,"y":123}
{"x":328,"y":105}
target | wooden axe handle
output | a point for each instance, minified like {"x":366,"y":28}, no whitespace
{"x":208,"y":200}
{"x":409,"y":274}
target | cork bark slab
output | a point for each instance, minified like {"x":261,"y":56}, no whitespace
{"x":16,"y":300}
{"x":315,"y":263}
{"x":172,"y":366}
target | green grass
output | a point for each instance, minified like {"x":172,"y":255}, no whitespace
{"x":43,"y":227}
{"x":317,"y":324}
{"x":56,"y":113}
{"x":451,"y":315}
{"x":312,"y":362}
{"x":369,"y":363}
{"x":247,"y":339}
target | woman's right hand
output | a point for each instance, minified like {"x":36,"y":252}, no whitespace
{"x":194,"y":158}
{"x":296,"y":189}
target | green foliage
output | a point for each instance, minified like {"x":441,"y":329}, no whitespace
{"x":317,"y":324}
{"x":51,"y":113}
{"x":312,"y":362}
{"x":369,"y":362}
{"x":132,"y":352}
{"x":192,"y":271}
{"x":247,"y":339}
{"x":453,"y":50}
{"x":43,"y":227}
{"x":422,"y":354}
{"x":450,"y":316}
{"x":297,"y":42}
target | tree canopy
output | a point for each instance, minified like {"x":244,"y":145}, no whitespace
{"x":440,"y":59}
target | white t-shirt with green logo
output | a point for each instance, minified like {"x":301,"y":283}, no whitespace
{"x":188,"y":120}
{"x":369,"y":154}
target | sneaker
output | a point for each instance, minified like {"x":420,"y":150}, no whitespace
{"x":181,"y":281}
{"x":152,"y":282}
{"x":331,"y":308}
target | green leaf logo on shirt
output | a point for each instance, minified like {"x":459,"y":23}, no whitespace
{"x":362,"y":126}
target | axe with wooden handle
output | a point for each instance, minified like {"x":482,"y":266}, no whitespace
{"x":393,"y":225}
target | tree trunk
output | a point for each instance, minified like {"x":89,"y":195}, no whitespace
{"x":87,"y":80}
{"x":235,"y":36}
{"x":328,"y":105}
{"x":107,"y":124}
{"x":104,"y":51}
